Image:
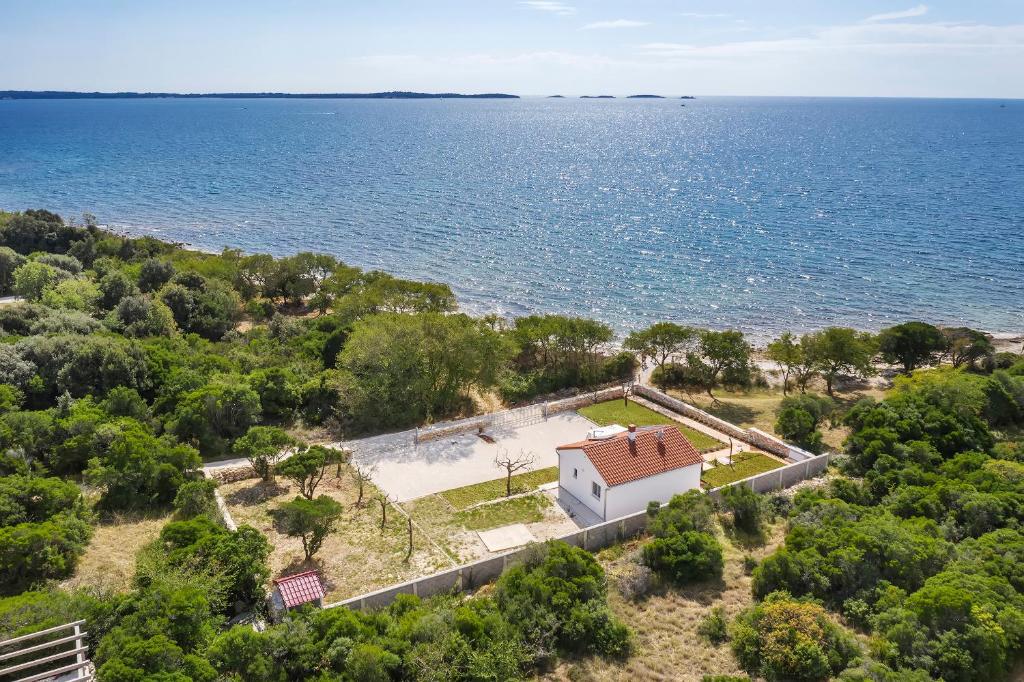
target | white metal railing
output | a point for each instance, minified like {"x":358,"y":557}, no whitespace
{"x":37,"y":660}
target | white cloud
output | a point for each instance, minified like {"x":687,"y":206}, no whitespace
{"x":702,"y":15}
{"x":615,"y":23}
{"x":918,"y":11}
{"x":879,"y":38}
{"x":559,"y":8}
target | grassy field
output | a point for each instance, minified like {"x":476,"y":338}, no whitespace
{"x":758,"y":408}
{"x":614,"y":412}
{"x":455,"y":529}
{"x":744,"y":464}
{"x":109,"y":560}
{"x":358,"y":557}
{"x":665,"y":621}
{"x":467,"y":496}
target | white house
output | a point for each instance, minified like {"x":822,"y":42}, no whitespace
{"x":616,"y":472}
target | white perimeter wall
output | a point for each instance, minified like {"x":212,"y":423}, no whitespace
{"x":580,"y":487}
{"x":633,"y":497}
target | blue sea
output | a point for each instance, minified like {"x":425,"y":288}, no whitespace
{"x":756,"y":213}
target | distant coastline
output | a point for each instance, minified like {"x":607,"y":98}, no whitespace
{"x":397,"y":94}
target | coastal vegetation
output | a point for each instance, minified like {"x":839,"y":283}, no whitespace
{"x":130,"y":361}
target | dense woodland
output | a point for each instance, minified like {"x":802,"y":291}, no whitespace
{"x":130,"y":361}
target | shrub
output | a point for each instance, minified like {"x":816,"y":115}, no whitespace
{"x":556,"y":598}
{"x":154,"y":273}
{"x":36,"y":551}
{"x":713,"y":627}
{"x":746,"y":507}
{"x":673,"y":375}
{"x":798,"y":419}
{"x":196,"y":498}
{"x":783,"y":639}
{"x":692,"y":510}
{"x":234,"y":560}
{"x":32,"y":279}
{"x":60,"y":261}
{"x":619,"y":366}
{"x":685,"y":557}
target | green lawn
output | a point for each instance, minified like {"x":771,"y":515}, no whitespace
{"x":527,"y":509}
{"x":467,"y":496}
{"x":614,"y":412}
{"x":744,"y":464}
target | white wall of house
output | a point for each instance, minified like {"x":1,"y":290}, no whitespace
{"x":577,"y":475}
{"x":632,"y":497}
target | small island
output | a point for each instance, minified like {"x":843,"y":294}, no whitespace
{"x":397,"y":94}
{"x":687,"y":97}
{"x":645,"y":97}
{"x":597,"y":96}
{"x":556,"y":96}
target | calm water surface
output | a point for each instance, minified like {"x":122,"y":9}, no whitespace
{"x":763,"y":214}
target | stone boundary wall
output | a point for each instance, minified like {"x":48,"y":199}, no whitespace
{"x":230,"y":474}
{"x":475,"y":574}
{"x":755,"y":437}
{"x":767,"y":441}
{"x":528,"y":414}
{"x":222,"y":505}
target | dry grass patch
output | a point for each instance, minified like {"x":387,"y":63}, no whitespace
{"x":109,"y":561}
{"x":757,"y":408}
{"x":665,"y":622}
{"x":359,"y":556}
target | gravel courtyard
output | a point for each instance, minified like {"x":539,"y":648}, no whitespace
{"x":407,"y":471}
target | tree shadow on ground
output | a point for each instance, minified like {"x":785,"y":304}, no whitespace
{"x":300,"y":565}
{"x":745,"y":539}
{"x":258,"y":493}
{"x":706,"y":592}
{"x":731,"y":412}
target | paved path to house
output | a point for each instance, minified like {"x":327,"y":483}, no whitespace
{"x":407,"y":470}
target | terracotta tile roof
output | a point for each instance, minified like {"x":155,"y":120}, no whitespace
{"x":619,"y":463}
{"x":300,"y":588}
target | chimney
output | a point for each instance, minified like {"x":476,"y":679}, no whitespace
{"x":631,"y":435}
{"x":661,"y":442}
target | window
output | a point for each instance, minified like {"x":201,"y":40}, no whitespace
{"x":595,"y":489}
{"x":575,"y":473}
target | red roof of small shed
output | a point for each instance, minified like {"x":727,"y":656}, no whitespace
{"x":300,"y":588}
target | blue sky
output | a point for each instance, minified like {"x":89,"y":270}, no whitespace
{"x":529,"y":47}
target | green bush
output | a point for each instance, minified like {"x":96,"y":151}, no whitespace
{"x":556,"y":598}
{"x":686,"y":557}
{"x":787,"y":640}
{"x":196,"y":498}
{"x":619,"y":366}
{"x":746,"y":507}
{"x":714,"y":627}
